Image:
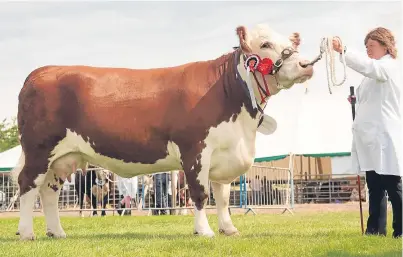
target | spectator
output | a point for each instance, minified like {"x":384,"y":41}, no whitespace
{"x":256,"y":186}
{"x":161,"y":183}
{"x":128,"y":188}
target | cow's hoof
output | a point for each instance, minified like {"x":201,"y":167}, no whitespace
{"x":56,"y":235}
{"x":17,"y":233}
{"x":229,"y":232}
{"x":208,"y":234}
{"x":27,"y":237}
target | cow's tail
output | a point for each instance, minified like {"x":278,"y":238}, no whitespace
{"x":15,"y":172}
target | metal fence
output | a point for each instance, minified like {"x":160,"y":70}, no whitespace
{"x":267,"y":187}
{"x":322,"y":188}
{"x":101,"y":191}
{"x":261,"y":187}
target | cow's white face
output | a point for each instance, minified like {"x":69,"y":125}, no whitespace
{"x":102,"y":176}
{"x":267,"y":43}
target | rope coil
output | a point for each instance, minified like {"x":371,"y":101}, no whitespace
{"x":327,"y":48}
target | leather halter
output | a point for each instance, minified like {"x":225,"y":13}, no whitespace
{"x":285,"y":54}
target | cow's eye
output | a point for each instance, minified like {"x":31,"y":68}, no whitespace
{"x":266,"y":45}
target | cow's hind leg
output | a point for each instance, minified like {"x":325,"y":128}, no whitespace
{"x":29,"y":179}
{"x":26,"y":226}
{"x":49,"y":193}
{"x":197,"y":174}
{"x":221,"y":196}
{"x":60,"y":169}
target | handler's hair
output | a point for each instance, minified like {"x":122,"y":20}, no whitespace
{"x":385,"y":38}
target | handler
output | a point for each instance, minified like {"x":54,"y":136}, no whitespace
{"x":377,"y":146}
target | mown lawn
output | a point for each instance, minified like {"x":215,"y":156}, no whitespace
{"x":302,"y":234}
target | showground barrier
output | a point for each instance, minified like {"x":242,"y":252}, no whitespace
{"x":262,"y":187}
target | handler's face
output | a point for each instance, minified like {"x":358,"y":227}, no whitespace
{"x":374,"y":49}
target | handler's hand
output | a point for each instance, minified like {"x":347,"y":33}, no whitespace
{"x":351,"y":98}
{"x":337,"y":45}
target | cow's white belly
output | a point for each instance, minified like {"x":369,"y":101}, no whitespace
{"x":227,"y":165}
{"x":234,"y":148}
{"x":73,"y":148}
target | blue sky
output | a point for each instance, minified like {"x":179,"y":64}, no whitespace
{"x":160,"y":34}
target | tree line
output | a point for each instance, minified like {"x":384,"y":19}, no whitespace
{"x":8,"y":134}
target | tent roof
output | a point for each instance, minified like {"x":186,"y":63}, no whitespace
{"x":314,"y":123}
{"x":9,"y":158}
{"x":318,"y":155}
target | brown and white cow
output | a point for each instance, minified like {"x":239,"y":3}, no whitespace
{"x":198,"y":117}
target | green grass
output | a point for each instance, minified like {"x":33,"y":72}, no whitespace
{"x":302,"y":234}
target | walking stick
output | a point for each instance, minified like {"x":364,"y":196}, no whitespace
{"x":352,"y":101}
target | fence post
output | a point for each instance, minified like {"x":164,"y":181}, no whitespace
{"x":240,"y":190}
{"x":142,"y":194}
{"x":245,"y":191}
{"x":291,"y":168}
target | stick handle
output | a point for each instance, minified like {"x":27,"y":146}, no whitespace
{"x":353,"y":100}
{"x":351,"y":90}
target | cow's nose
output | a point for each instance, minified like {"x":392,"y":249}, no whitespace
{"x":309,"y":70}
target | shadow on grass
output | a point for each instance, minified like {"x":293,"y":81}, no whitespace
{"x":131,"y":235}
{"x":167,"y":236}
{"x":397,"y":253}
{"x":101,"y":236}
{"x":294,"y":235}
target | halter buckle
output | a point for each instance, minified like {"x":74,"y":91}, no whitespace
{"x":279,"y":63}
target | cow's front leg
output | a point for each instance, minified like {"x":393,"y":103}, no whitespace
{"x":221,"y":196}
{"x":197,"y":174}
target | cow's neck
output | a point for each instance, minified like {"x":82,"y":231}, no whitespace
{"x":270,"y":82}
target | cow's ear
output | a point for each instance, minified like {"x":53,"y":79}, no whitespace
{"x":295,"y":39}
{"x":243,"y":39}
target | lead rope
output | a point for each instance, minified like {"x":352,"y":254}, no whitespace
{"x":327,"y":45}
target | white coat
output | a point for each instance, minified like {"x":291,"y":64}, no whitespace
{"x":377,"y":128}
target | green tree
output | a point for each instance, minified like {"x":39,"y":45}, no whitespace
{"x":8,"y":134}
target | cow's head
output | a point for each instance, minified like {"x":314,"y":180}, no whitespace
{"x":101,"y":187}
{"x":101,"y":177}
{"x":270,"y":46}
